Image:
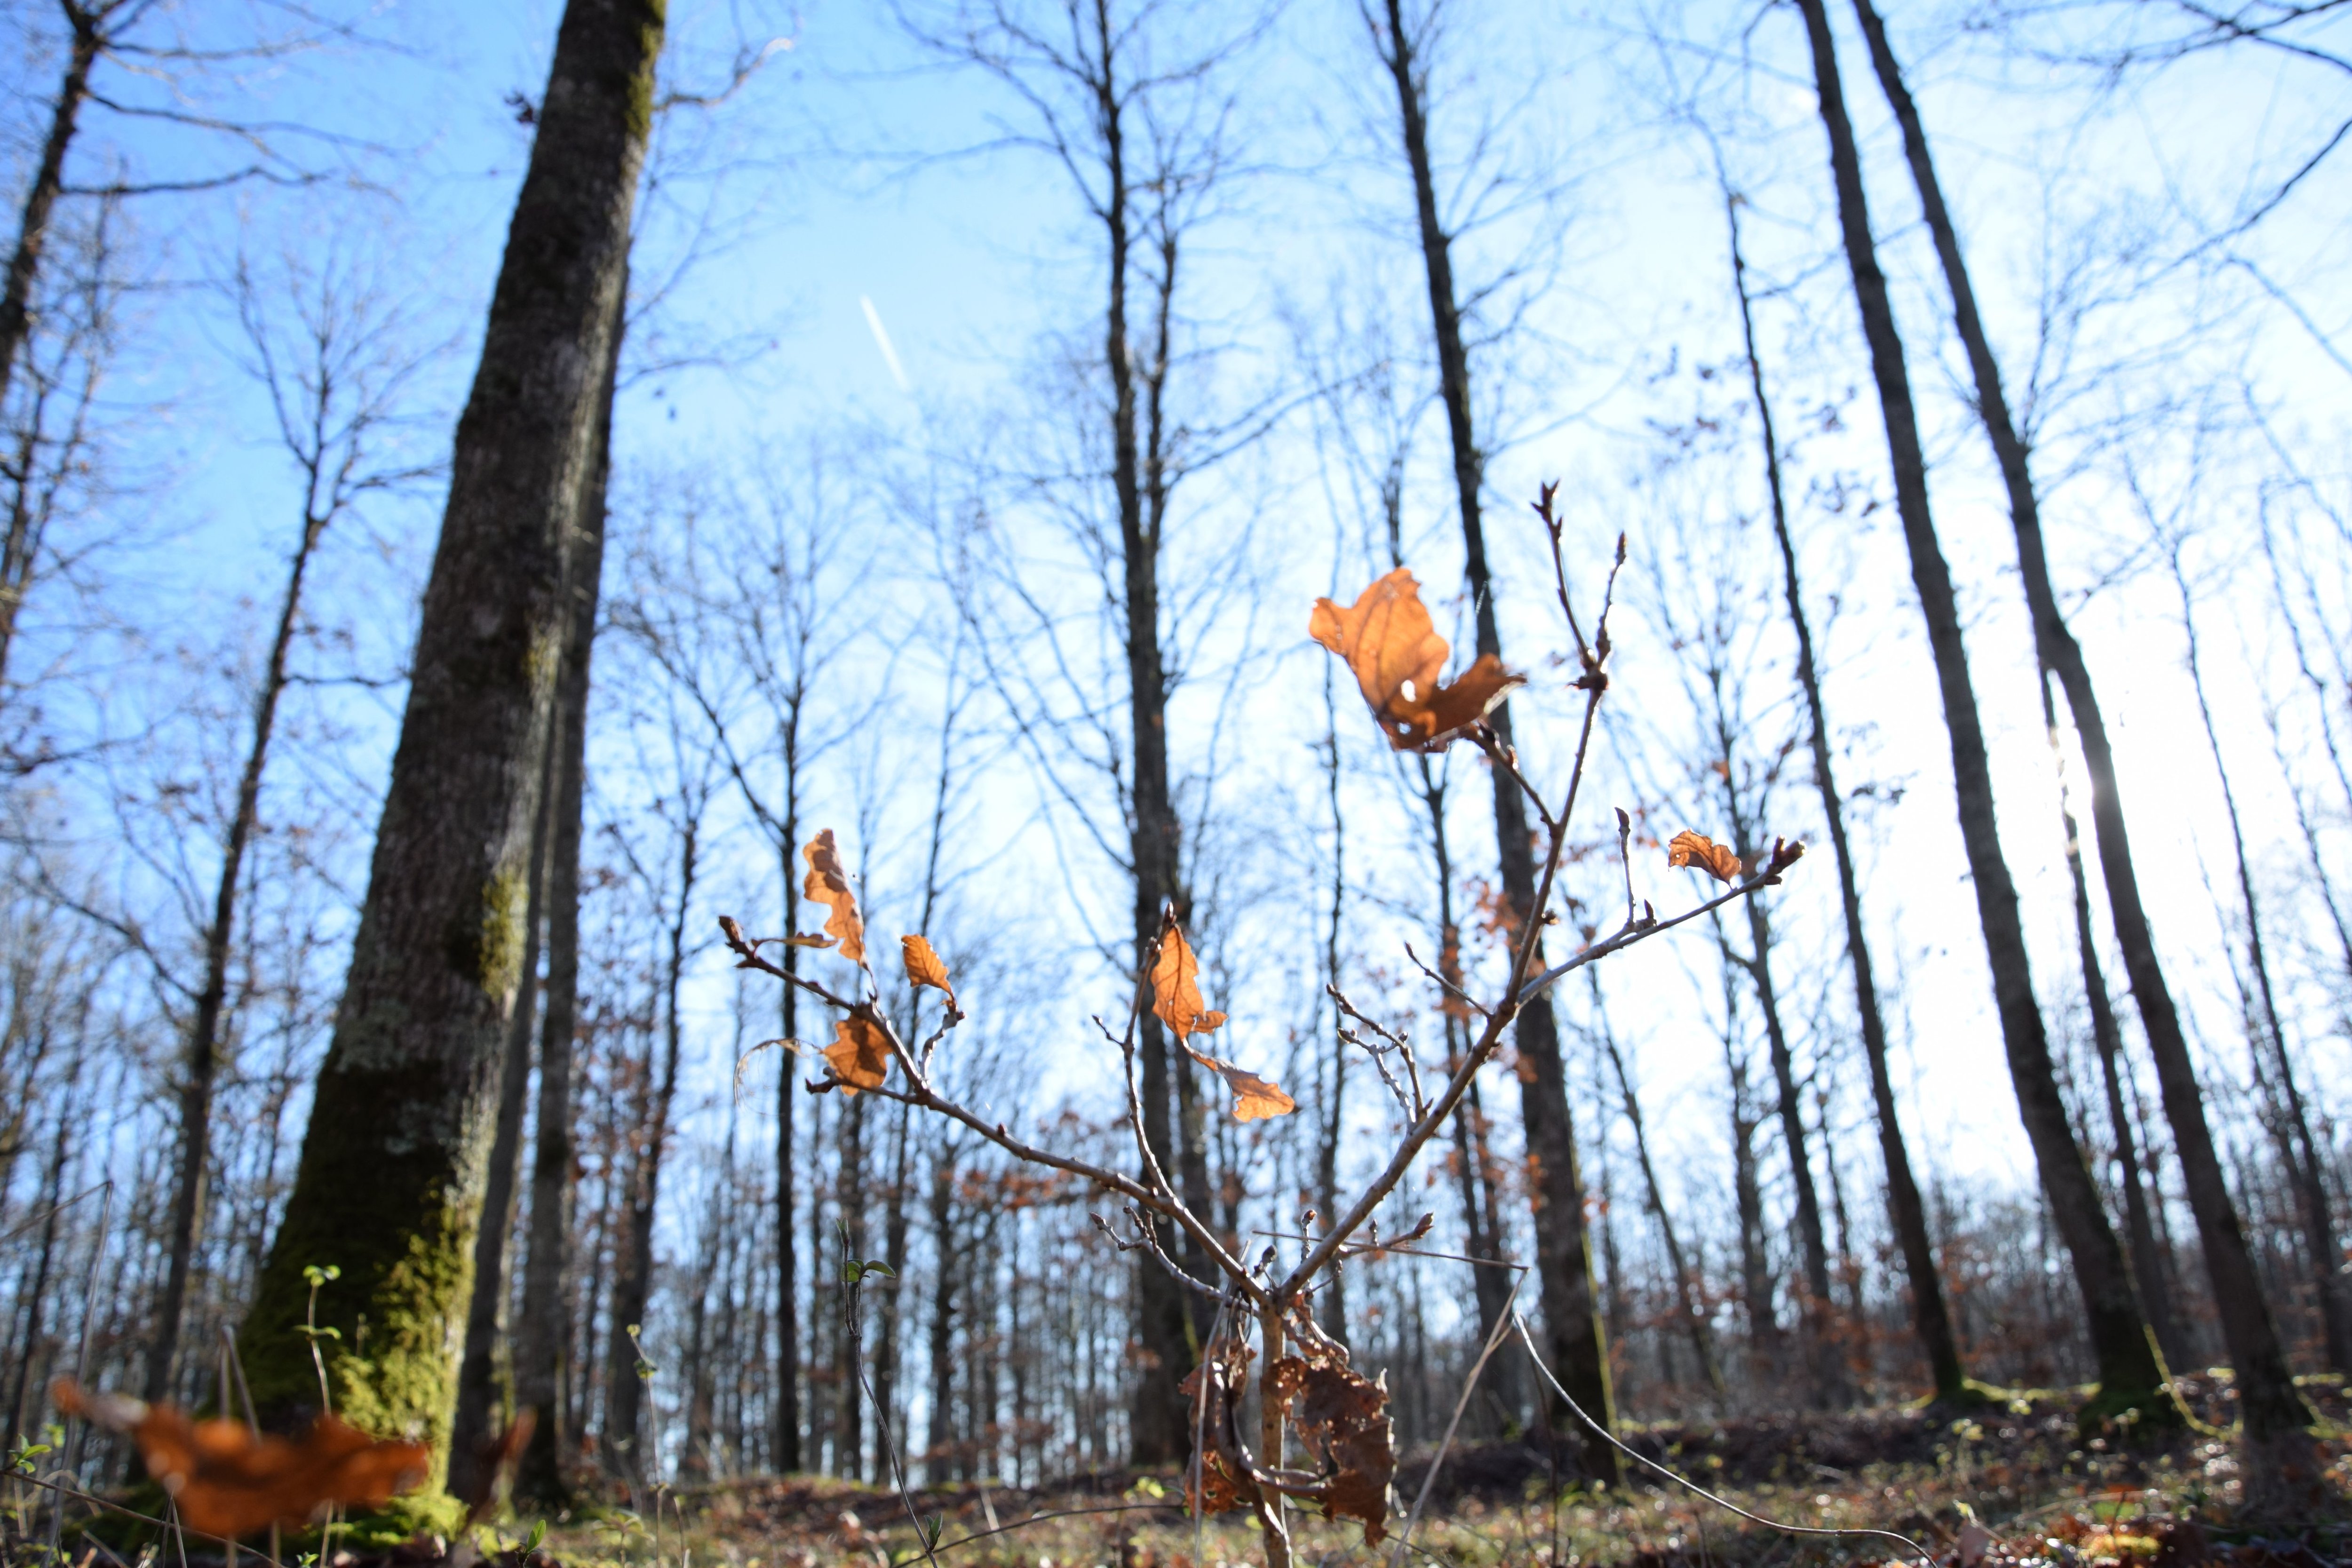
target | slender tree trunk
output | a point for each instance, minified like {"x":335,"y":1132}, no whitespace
{"x":850,"y":1197}
{"x":203,"y":1039}
{"x":1575,"y":1343}
{"x":1687,"y":1306}
{"x":1906,"y":1213}
{"x":789,"y":1458}
{"x":939,"y":1436}
{"x":2130,"y":1373}
{"x":1157,"y":1421}
{"x":624,"y":1389}
{"x":1334,"y":1304}
{"x":2290,"y":1121}
{"x":2107,"y":1036}
{"x":1830,"y":1389}
{"x":893,"y":1253}
{"x":390,"y":1183}
{"x":473,"y":1428}
{"x":41,"y":199}
{"x":1748,"y":1198}
{"x":544,"y":1343}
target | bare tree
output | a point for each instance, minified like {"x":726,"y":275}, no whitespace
{"x":334,"y":362}
{"x":1563,"y":1251}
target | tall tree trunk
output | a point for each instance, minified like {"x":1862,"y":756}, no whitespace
{"x":1747,"y":1199}
{"x":41,"y":200}
{"x":203,"y":1039}
{"x":473,"y":1428}
{"x":1907,"y":1214}
{"x":624,"y":1387}
{"x":1575,"y":1343}
{"x":2270,"y":1406}
{"x":390,"y":1182}
{"x":786,"y":1436}
{"x":1826,"y":1365}
{"x":850,"y":1197}
{"x":939,"y":1436}
{"x":2290,"y":1122}
{"x":1334,"y":1304}
{"x":2131,"y":1374}
{"x":1157,"y":1423}
{"x":544,"y":1343}
{"x":2107,"y":1037}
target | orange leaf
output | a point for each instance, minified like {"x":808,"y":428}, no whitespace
{"x":1702,"y":853}
{"x":860,"y":1053}
{"x":1398,"y":659}
{"x":924,"y":967}
{"x":226,"y":1482}
{"x":828,"y":883}
{"x":1254,"y":1100}
{"x":1175,"y":988}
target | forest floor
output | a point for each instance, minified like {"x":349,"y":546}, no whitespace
{"x":2009,"y":1488}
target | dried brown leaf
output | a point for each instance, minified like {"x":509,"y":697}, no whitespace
{"x":1342,"y":1420}
{"x":860,"y":1053}
{"x":1253,"y":1098}
{"x":924,"y":966}
{"x":1702,"y":853}
{"x":1218,"y":1480}
{"x":828,"y":883}
{"x":226,"y":1482}
{"x":1392,"y":648}
{"x":1176,"y":987}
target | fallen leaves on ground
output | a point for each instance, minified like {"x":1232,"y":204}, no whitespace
{"x":1393,"y":648}
{"x":860,"y":1053}
{"x":828,"y":883}
{"x":224,"y":1480}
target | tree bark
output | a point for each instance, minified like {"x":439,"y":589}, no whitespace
{"x":2130,"y":1373}
{"x":2268,"y":1399}
{"x":544,"y":1343}
{"x":1575,"y":1343}
{"x":41,"y":195}
{"x":472,"y":1427}
{"x":390,"y":1181}
{"x":204,"y":1039}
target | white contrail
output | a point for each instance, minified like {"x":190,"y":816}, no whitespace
{"x":882,"y":342}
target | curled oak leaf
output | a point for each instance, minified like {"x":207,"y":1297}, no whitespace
{"x":859,"y":1055}
{"x":1219,"y":1479}
{"x":1254,"y":1100}
{"x":1392,"y":648}
{"x":226,"y":1482}
{"x":828,"y":883}
{"x":1176,"y":987}
{"x":1342,"y":1421}
{"x":924,"y":966}
{"x":807,"y":939}
{"x":1701,"y":853}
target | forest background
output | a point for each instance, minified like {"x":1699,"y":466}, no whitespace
{"x":857,"y":481}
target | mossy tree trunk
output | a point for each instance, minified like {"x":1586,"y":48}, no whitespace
{"x":389,"y":1187}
